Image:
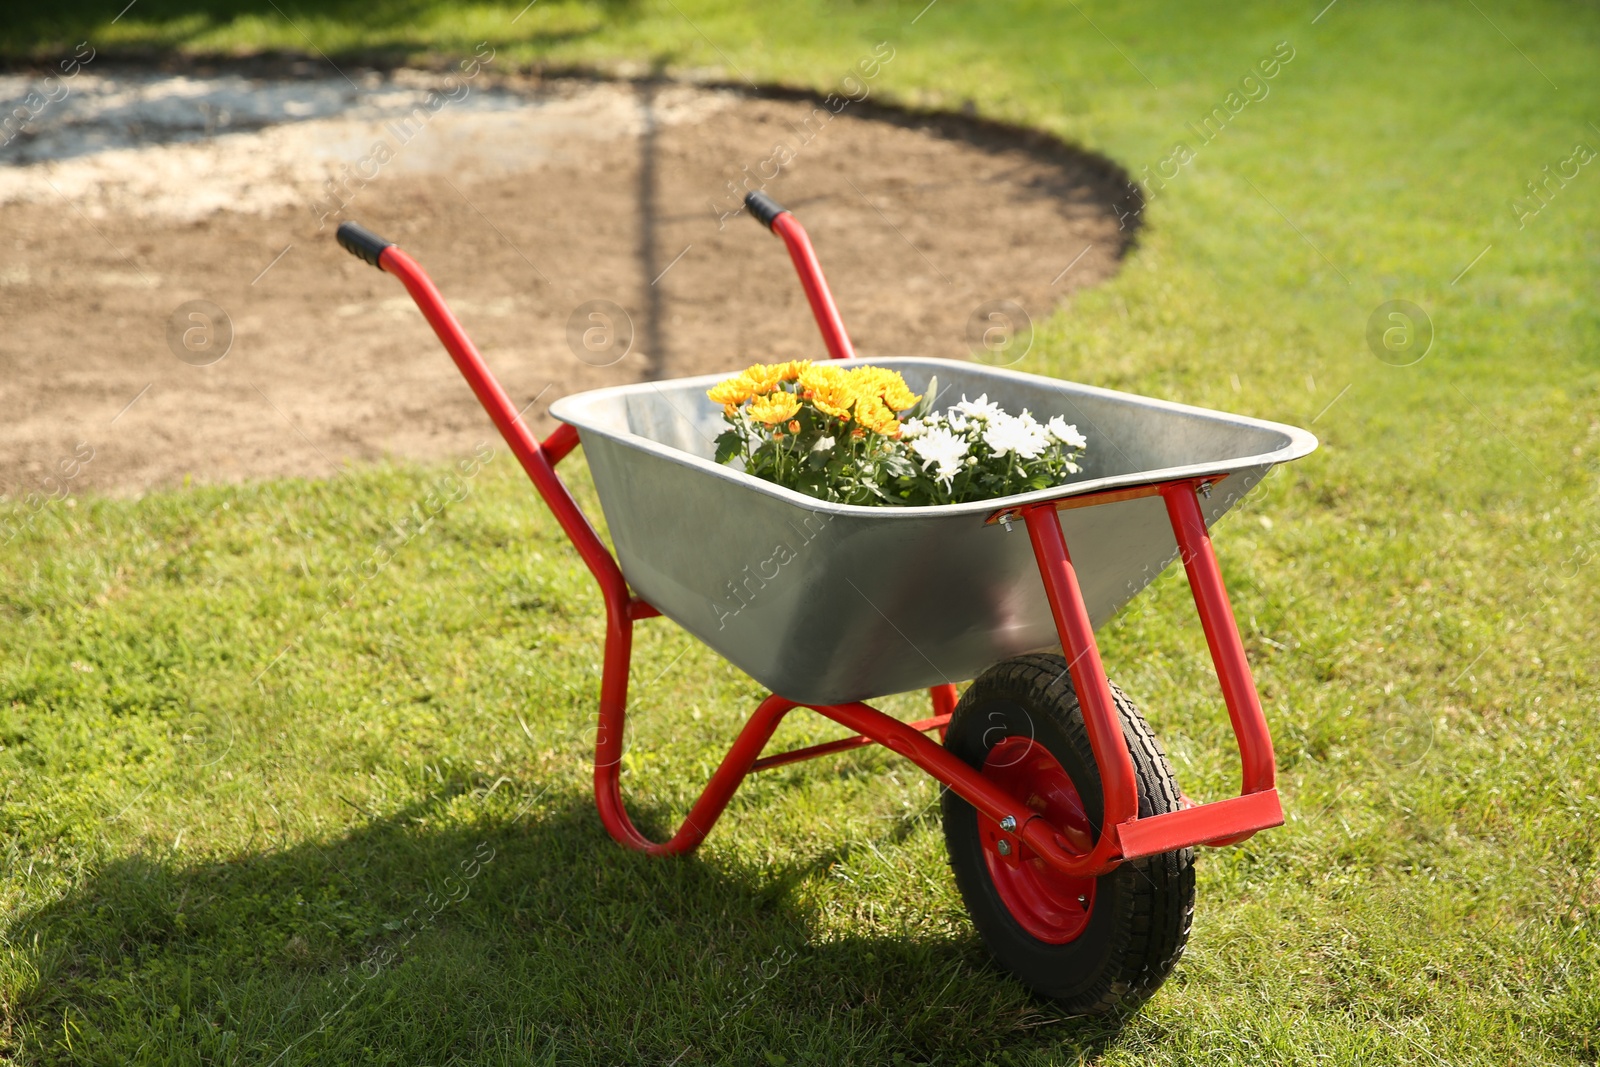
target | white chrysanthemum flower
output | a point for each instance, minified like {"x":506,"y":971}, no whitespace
{"x":956,"y":420}
{"x":1066,"y":433}
{"x":940,"y":446}
{"x":1008,"y":434}
{"x":980,"y":408}
{"x":912,"y":429}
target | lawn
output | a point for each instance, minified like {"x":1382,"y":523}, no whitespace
{"x":272,"y":800}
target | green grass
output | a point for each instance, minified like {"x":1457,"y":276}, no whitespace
{"x":204,"y":865}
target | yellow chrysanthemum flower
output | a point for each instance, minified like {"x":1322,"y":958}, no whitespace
{"x":875,"y":415}
{"x":886,"y":385}
{"x":869,"y":395}
{"x":828,"y":387}
{"x":776,"y":407}
{"x":814,"y":374}
{"x":765,"y":377}
{"x":731,"y":393}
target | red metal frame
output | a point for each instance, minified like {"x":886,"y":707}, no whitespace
{"x":1124,"y":835}
{"x":823,"y":309}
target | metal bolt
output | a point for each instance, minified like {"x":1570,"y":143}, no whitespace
{"x":1005,"y":520}
{"x":1205,"y":489}
{"x":1083,"y":900}
{"x":1008,"y":824}
{"x":1005,"y":848}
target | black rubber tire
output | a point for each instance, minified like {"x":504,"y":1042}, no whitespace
{"x":1139,"y":921}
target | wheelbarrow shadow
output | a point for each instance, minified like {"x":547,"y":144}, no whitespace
{"x":528,"y":940}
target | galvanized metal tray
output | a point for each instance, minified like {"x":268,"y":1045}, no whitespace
{"x":827,"y":603}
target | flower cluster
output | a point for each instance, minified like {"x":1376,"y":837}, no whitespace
{"x":815,"y":427}
{"x":869,"y":396}
{"x":975,"y":450}
{"x":861,"y":436}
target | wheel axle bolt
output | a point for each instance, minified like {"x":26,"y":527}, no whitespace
{"x":1008,"y":824}
{"x":1005,"y":848}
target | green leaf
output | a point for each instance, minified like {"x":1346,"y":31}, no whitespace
{"x":728,"y":445}
{"x":899,"y":466}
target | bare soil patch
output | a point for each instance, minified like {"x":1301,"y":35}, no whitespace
{"x":525,"y":201}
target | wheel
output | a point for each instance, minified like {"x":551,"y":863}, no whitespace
{"x":1097,"y":945}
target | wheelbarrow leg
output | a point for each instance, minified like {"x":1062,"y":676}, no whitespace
{"x":1089,"y":681}
{"x":608,"y":748}
{"x":1220,"y":822}
{"x":944,"y":703}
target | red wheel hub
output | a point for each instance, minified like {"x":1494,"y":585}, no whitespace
{"x":1050,"y":906}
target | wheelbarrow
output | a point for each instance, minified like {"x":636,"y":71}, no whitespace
{"x":1070,"y":841}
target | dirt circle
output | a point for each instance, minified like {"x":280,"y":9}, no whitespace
{"x":175,"y":305}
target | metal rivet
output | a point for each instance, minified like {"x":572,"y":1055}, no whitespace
{"x":1083,"y":900}
{"x":1005,"y":848}
{"x":1008,"y":824}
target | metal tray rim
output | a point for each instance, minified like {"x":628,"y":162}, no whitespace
{"x":572,"y":409}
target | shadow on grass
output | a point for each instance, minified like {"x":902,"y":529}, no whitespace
{"x":428,"y":938}
{"x":378,"y":28}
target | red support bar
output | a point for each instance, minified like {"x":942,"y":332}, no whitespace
{"x":560,"y":442}
{"x":730,"y":773}
{"x":1117,"y":783}
{"x":1259,"y":770}
{"x":823,"y":309}
{"x":945,"y":697}
{"x":1222,"y":822}
{"x":1258,"y":766}
{"x":845,"y":744}
{"x":1091,"y":500}
{"x":974,"y":788}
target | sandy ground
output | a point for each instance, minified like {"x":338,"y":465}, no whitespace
{"x":174,"y":305}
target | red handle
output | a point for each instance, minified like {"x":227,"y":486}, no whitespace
{"x":539,"y":461}
{"x":775,"y":218}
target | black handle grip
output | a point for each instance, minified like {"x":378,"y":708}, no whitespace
{"x":764,"y":208}
{"x":360,"y":241}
